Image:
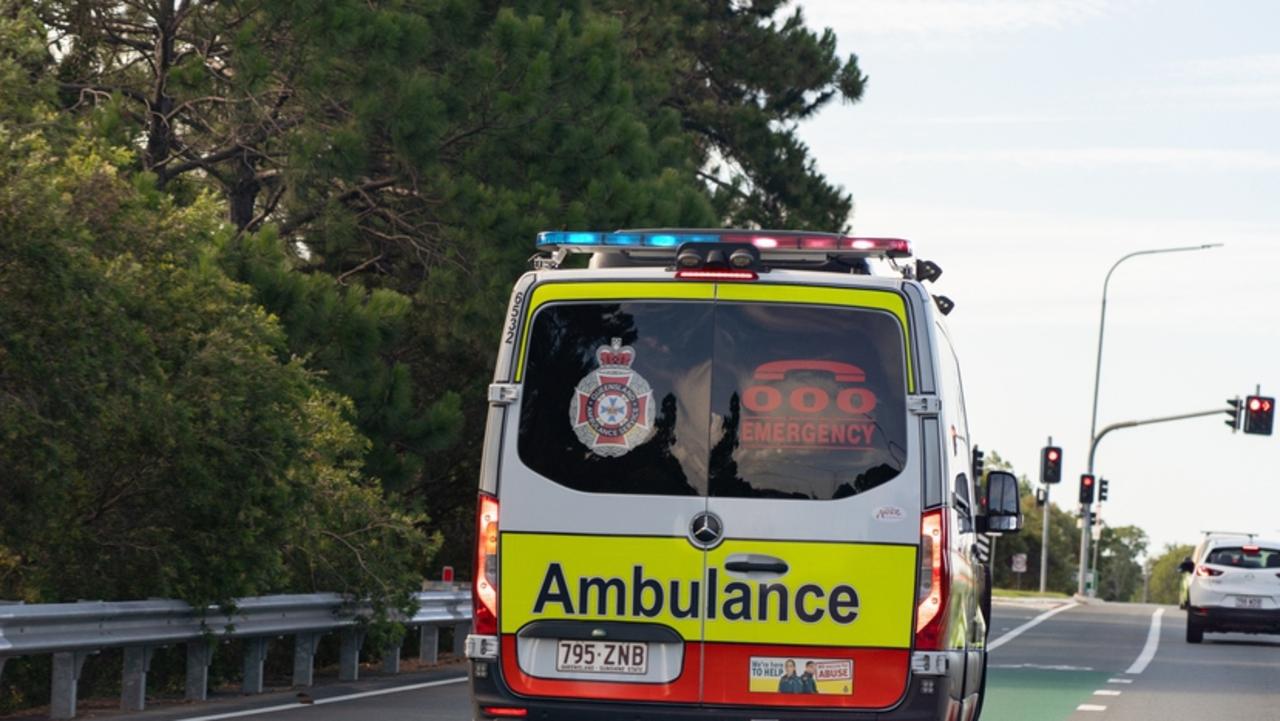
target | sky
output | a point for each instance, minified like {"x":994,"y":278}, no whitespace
{"x":1025,"y":146}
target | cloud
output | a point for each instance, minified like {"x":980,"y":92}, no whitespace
{"x":1238,"y":82}
{"x":990,"y":119}
{"x":1161,"y":158}
{"x":915,"y":17}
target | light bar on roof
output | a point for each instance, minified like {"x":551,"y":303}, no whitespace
{"x":766,"y":240}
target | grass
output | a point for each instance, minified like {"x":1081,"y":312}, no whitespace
{"x":1011,"y":593}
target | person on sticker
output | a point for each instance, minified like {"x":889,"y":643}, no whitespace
{"x":809,"y":680}
{"x":790,"y":682}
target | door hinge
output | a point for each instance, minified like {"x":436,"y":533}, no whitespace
{"x":502,"y":394}
{"x":924,"y":405}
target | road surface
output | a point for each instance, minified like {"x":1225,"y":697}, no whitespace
{"x":1064,"y":662}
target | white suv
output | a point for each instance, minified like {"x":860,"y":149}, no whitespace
{"x":1234,"y":586}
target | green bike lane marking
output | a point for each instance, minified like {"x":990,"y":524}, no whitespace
{"x":1032,"y":694}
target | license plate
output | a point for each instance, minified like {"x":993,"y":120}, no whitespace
{"x":602,"y":657}
{"x":1248,"y":602}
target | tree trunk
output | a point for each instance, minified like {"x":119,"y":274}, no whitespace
{"x":243,"y":196}
{"x":159,"y":129}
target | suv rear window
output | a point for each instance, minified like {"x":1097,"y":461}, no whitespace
{"x":1240,"y":557}
{"x":726,"y":399}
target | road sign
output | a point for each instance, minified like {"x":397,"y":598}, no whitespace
{"x":1019,"y":563}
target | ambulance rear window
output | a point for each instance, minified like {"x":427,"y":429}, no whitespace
{"x":726,"y":399}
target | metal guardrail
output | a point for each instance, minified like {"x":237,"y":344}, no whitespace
{"x":74,"y":631}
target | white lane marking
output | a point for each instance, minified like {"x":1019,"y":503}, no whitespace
{"x":1153,"y":642}
{"x":1042,"y":667}
{"x":321,"y":701}
{"x":1106,"y":692}
{"x":1090,"y":707}
{"x":1033,"y":622}
{"x":1119,"y":680}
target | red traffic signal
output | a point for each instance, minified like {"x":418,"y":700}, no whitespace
{"x":1086,"y":489}
{"x":1050,"y":464}
{"x":1259,"y":414}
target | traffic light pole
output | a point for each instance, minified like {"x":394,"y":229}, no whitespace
{"x":1044,"y":535}
{"x":1097,"y":378}
{"x":1044,"y":542}
{"x":1087,"y":511}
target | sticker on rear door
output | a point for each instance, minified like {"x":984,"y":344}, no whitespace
{"x":801,"y":675}
{"x":612,"y":408}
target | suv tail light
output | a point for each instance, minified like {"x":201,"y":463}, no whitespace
{"x":931,"y":602}
{"x":484,"y":589}
{"x":1206,"y":571}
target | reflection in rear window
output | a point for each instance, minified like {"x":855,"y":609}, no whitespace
{"x":1241,"y":557}
{"x":726,"y":399}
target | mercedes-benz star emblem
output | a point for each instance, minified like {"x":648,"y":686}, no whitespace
{"x":706,"y":530}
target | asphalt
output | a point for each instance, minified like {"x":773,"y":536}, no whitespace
{"x":1081,"y":663}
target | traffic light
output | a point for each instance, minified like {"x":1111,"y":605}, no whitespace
{"x":1233,"y":411}
{"x":1102,"y":490}
{"x":1051,"y":464}
{"x":977,"y":464}
{"x":1259,"y":412}
{"x":1086,"y":489}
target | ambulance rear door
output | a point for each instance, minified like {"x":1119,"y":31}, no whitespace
{"x":814,"y":487}
{"x":603,"y":474}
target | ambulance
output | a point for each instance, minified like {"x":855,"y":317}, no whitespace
{"x":727,"y":474}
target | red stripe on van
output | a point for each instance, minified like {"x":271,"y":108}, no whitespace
{"x":879,"y":676}
{"x":683,"y":690}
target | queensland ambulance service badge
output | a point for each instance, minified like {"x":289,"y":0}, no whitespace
{"x":612,"y":409}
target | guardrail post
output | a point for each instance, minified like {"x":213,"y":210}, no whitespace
{"x":429,"y":643}
{"x":255,"y":654}
{"x":349,"y":654}
{"x":460,"y":632}
{"x":133,"y":685}
{"x":66,"y":677}
{"x":198,"y":656}
{"x":304,"y":658}
{"x":391,"y":657}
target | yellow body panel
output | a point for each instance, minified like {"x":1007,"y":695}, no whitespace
{"x":833,"y":594}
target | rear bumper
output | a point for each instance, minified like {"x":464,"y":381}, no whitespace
{"x":1239,"y":620}
{"x":927,"y":699}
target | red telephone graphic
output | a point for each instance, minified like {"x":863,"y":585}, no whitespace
{"x":778,"y":370}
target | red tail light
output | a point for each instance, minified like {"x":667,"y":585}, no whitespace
{"x":505,"y":711}
{"x":931,"y":602}
{"x":1206,"y":571}
{"x":484,"y":589}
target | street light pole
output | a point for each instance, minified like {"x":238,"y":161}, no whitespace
{"x":1086,"y":512}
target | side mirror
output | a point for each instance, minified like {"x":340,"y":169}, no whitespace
{"x":1187,"y":565}
{"x":1004,"y":509}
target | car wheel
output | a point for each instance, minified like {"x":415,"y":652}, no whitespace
{"x":1195,"y":630}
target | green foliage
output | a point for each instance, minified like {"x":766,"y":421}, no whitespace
{"x":1064,"y":539}
{"x":1119,"y":574}
{"x":158,"y":437}
{"x":1167,"y":582}
{"x":366,"y":150}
